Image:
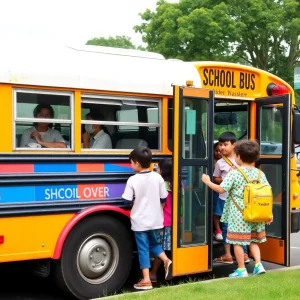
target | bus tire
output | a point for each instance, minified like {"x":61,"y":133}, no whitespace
{"x":96,"y":258}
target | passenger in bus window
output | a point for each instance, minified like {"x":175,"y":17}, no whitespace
{"x":96,"y":136}
{"x":41,"y":134}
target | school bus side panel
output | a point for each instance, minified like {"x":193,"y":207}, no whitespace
{"x":6,"y":115}
{"x":32,"y":237}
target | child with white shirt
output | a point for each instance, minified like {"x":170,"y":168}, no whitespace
{"x":148,"y":192}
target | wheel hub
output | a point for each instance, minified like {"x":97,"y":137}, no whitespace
{"x":97,"y":259}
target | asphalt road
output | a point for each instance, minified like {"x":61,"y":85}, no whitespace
{"x":17,"y":284}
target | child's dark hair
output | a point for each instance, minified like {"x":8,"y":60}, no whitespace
{"x":227,"y":136}
{"x":216,"y":144}
{"x":142,"y":155}
{"x":248,"y":150}
{"x":97,"y":116}
{"x":41,"y":106}
{"x":166,"y":169}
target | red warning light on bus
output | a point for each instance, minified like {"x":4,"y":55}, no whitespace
{"x":275,"y":90}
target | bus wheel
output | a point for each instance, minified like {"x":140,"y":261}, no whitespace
{"x":96,"y":258}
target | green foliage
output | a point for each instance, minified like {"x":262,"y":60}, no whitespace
{"x":261,"y":33}
{"x":117,"y":42}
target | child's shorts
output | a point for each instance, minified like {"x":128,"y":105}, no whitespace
{"x":218,"y":205}
{"x":166,"y":238}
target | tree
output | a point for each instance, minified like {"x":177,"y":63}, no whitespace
{"x":117,"y":42}
{"x":261,"y":33}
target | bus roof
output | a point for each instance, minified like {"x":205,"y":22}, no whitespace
{"x":93,"y":68}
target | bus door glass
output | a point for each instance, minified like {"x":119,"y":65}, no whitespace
{"x":192,"y":201}
{"x":273,"y":133}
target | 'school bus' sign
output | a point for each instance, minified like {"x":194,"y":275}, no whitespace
{"x":228,"y":82}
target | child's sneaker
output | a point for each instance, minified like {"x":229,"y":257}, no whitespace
{"x":142,"y":285}
{"x":218,"y":236}
{"x":239,"y":273}
{"x":259,"y":269}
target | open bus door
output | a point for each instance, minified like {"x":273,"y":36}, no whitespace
{"x":193,"y":111}
{"x":273,"y":132}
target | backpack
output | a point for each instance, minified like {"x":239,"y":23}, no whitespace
{"x":258,"y":199}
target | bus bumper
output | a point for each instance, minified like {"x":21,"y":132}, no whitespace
{"x":295,"y":220}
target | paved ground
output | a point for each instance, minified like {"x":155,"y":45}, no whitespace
{"x":17,"y":285}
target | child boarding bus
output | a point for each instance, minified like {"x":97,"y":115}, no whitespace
{"x":69,"y":119}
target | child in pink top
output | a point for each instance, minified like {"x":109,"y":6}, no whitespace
{"x":165,"y":169}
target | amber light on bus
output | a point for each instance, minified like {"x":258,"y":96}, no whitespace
{"x":275,"y":90}
{"x":189,"y":83}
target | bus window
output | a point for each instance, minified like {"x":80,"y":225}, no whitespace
{"x":127,"y":115}
{"x":190,"y":126}
{"x":237,"y":114}
{"x":28,"y":105}
{"x":152,"y":117}
{"x":129,"y":121}
{"x":194,"y":144}
{"x":271,"y":130}
{"x":271,"y":123}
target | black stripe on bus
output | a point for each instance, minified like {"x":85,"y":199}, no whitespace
{"x":56,"y":207}
{"x":17,"y":158}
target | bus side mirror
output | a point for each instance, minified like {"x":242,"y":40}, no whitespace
{"x":296,"y":127}
{"x":225,"y":118}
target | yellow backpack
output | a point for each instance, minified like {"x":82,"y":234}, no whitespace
{"x":258,"y":200}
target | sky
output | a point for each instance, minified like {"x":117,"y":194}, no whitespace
{"x":70,"y":22}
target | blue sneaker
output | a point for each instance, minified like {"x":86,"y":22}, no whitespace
{"x":259,"y":270}
{"x":239,"y":273}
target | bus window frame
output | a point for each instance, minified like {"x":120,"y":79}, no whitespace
{"x":280,"y":244}
{"x":33,"y":120}
{"x":112,"y":99}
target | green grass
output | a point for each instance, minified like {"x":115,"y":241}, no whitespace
{"x":275,"y":285}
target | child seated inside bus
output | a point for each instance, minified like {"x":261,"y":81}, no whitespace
{"x":165,"y":169}
{"x":95,"y":135}
{"x":146,"y":189}
{"x":41,"y":134}
{"x":227,"y":142}
{"x":217,"y":227}
{"x":240,"y":232}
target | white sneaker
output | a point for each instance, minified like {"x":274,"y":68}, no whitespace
{"x":237,"y":273}
{"x":259,"y":270}
{"x":218,"y":237}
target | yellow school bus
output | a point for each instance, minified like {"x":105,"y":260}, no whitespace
{"x":61,"y":204}
{"x":253,"y":104}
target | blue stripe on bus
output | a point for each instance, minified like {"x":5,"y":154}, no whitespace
{"x":17,"y":194}
{"x":57,"y":192}
{"x":116,"y":168}
{"x":45,"y":168}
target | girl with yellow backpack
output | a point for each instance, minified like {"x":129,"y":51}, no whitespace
{"x":241,"y":232}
